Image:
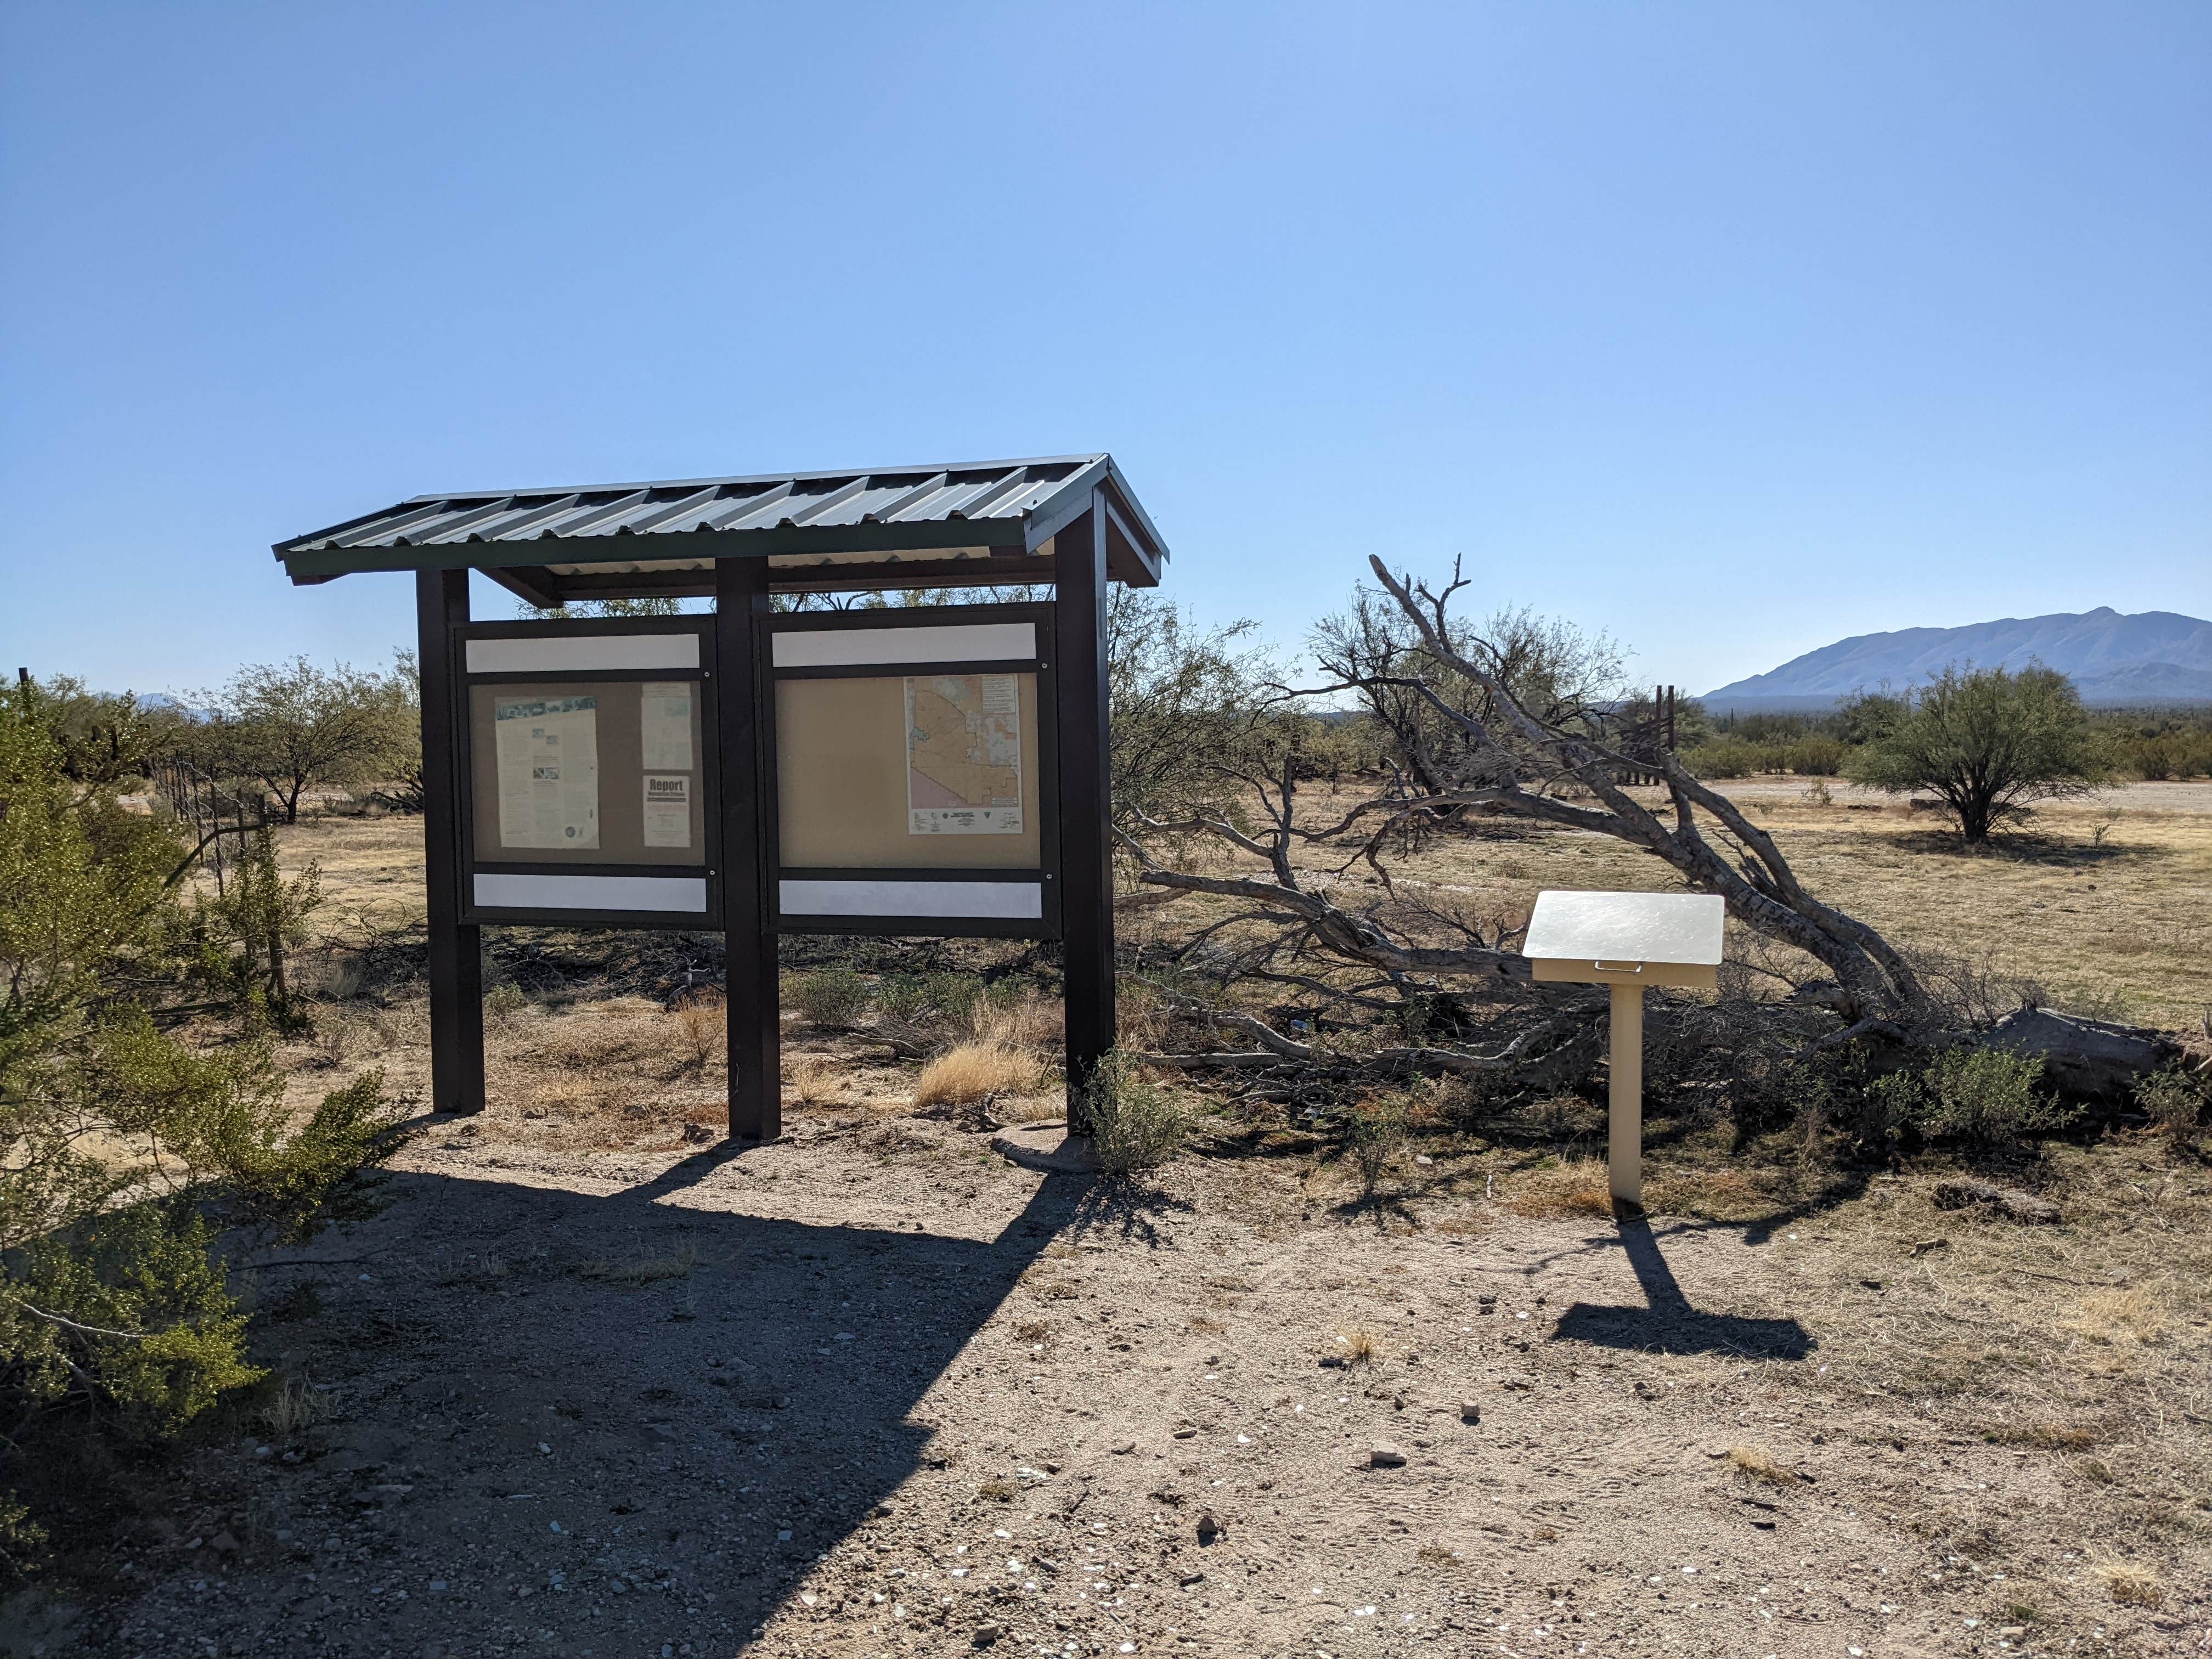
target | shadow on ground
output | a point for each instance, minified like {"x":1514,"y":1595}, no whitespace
{"x":583,"y":1457}
{"x":1668,"y":1324}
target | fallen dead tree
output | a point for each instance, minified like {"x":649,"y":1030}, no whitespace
{"x":1452,"y":983}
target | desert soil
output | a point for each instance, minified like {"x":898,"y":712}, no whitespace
{"x":597,"y":1384}
{"x":872,"y":1389}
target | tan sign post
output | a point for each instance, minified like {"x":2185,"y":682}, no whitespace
{"x":1627,"y":941}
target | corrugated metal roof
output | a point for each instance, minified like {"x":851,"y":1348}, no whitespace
{"x":936,"y":512}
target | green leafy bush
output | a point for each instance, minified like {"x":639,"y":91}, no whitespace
{"x":2177,"y":1099}
{"x":1976,"y":1096}
{"x":126,"y":1151}
{"x":1133,"y":1124}
{"x":1725,"y":757}
{"x":827,"y":996}
{"x":1816,"y":756}
{"x":1376,"y":1132}
{"x":1989,"y":744}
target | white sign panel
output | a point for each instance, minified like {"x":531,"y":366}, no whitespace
{"x":667,"y":809}
{"x":1626,"y":929}
{"x":664,"y":724}
{"x":548,"y":751}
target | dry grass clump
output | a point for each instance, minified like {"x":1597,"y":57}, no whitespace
{"x":2137,"y":1314}
{"x":975,"y":1071}
{"x":701,"y":1023}
{"x":2128,"y":1581}
{"x":811,"y":1079}
{"x":1757,"y":1463}
{"x":1576,"y":1187}
{"x":1360,"y":1346}
{"x":607,"y":1037}
{"x":295,"y":1408}
{"x":1024,"y":1020}
{"x":641,"y":1268}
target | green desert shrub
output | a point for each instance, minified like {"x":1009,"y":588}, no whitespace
{"x":1975,"y":1096}
{"x":827,"y":996}
{"x":1726,"y":758}
{"x":2177,"y":1099}
{"x":1133,"y":1124}
{"x":1816,"y":756}
{"x":133,"y":1158}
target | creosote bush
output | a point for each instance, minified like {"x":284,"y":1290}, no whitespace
{"x":2177,"y":1099}
{"x":1133,"y":1124}
{"x":1374,"y":1132}
{"x":827,"y":996}
{"x":1980,"y":1097}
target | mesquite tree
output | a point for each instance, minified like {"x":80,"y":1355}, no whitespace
{"x":1483,"y":744}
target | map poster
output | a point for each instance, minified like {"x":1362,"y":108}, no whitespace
{"x":664,"y":717}
{"x":963,"y":755}
{"x":667,"y":809}
{"x":548,"y":749}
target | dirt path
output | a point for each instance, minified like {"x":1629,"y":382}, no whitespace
{"x":871,"y":1391}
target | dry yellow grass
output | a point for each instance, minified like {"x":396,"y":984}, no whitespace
{"x":973,"y":1070}
{"x":295,"y":1408}
{"x":1359,"y":1345}
{"x":701,"y":1023}
{"x":1578,"y":1187}
{"x":2137,"y":1314}
{"x":2128,"y":1581}
{"x":812,"y":1079}
{"x":1029,"y":1023}
{"x":1757,"y":1463}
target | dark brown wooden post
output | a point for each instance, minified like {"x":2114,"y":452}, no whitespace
{"x":1086,"y":876}
{"x":457,"y":1069}
{"x":742,"y":719}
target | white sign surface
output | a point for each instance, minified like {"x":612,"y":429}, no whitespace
{"x":667,"y":809}
{"x":548,"y":749}
{"x":665,"y":726}
{"x":1624,"y":929}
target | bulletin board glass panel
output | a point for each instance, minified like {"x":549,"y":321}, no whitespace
{"x":598,"y":771}
{"x":937,"y":770}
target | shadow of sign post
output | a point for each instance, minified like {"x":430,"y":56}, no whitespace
{"x":1668,"y":1324}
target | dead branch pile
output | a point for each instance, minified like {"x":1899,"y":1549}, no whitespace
{"x":1409,"y":984}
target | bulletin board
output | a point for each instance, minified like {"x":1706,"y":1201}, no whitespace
{"x":587,"y":772}
{"x":861,"y":788}
{"x":913,"y":778}
{"x":588,"y":787}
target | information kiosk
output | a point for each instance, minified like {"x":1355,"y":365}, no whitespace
{"x":770,"y":768}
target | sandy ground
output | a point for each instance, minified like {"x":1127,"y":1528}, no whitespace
{"x":592,"y":1386}
{"x":872,"y":1390}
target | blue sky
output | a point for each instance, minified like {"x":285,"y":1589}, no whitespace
{"x":1728,"y":329}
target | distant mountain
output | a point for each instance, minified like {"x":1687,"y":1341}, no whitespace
{"x":2153,"y":657}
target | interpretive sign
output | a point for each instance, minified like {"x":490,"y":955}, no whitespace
{"x":912,"y":791}
{"x":963,"y":755}
{"x":585,"y":792}
{"x":548,"y":751}
{"x":1627,"y":941}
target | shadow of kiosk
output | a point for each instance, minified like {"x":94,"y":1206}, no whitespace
{"x":930,"y":771}
{"x":1627,"y":941}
